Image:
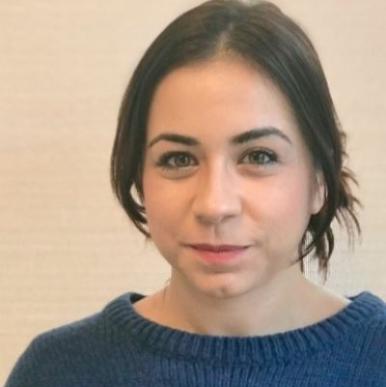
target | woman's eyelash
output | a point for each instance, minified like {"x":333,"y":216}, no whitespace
{"x":183,"y":159}
{"x":178,"y":157}
{"x":263,"y":156}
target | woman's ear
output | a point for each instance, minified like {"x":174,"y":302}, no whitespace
{"x":319,"y":193}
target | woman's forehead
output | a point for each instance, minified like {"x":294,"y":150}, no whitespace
{"x":224,"y":96}
{"x":218,"y":77}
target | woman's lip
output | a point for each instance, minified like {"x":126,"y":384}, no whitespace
{"x":231,"y":254}
{"x":218,"y":248}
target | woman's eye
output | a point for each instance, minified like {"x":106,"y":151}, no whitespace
{"x":261,"y":157}
{"x":182,"y":160}
{"x":175,"y":160}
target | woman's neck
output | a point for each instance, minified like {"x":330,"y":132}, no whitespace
{"x":291,"y":302}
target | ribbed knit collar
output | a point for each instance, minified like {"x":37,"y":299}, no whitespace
{"x":125,"y":321}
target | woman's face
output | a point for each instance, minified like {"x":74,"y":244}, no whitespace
{"x":225,"y":164}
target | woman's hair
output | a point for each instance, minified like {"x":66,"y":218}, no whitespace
{"x":262,"y":35}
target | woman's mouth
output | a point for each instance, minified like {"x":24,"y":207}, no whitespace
{"x":219,"y":253}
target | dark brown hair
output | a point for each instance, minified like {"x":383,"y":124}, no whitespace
{"x":262,"y":35}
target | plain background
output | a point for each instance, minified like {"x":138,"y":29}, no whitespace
{"x":66,"y":248}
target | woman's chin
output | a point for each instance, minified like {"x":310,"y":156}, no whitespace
{"x":223,"y":287}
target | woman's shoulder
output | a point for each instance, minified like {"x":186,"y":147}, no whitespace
{"x":95,"y":325}
{"x":87,"y":328}
{"x":374,"y":305}
{"x":368,"y":311}
{"x":75,"y":346}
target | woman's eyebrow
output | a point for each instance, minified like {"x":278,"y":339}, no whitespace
{"x":241,"y":138}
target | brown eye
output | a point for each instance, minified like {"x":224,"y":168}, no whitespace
{"x":175,"y":160}
{"x":261,"y":157}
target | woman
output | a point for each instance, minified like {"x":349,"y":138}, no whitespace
{"x":229,"y":136}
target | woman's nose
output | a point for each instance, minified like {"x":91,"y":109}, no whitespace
{"x":217,"y":196}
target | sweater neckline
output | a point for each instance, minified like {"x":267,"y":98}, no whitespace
{"x":129,"y":324}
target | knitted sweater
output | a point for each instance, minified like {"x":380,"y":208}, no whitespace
{"x":117,"y":347}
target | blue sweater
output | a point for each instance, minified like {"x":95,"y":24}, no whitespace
{"x":117,"y":347}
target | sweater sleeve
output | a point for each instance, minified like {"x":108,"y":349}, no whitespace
{"x":27,"y":372}
{"x":70,"y":355}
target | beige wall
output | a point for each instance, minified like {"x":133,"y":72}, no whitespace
{"x":66,"y":248}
